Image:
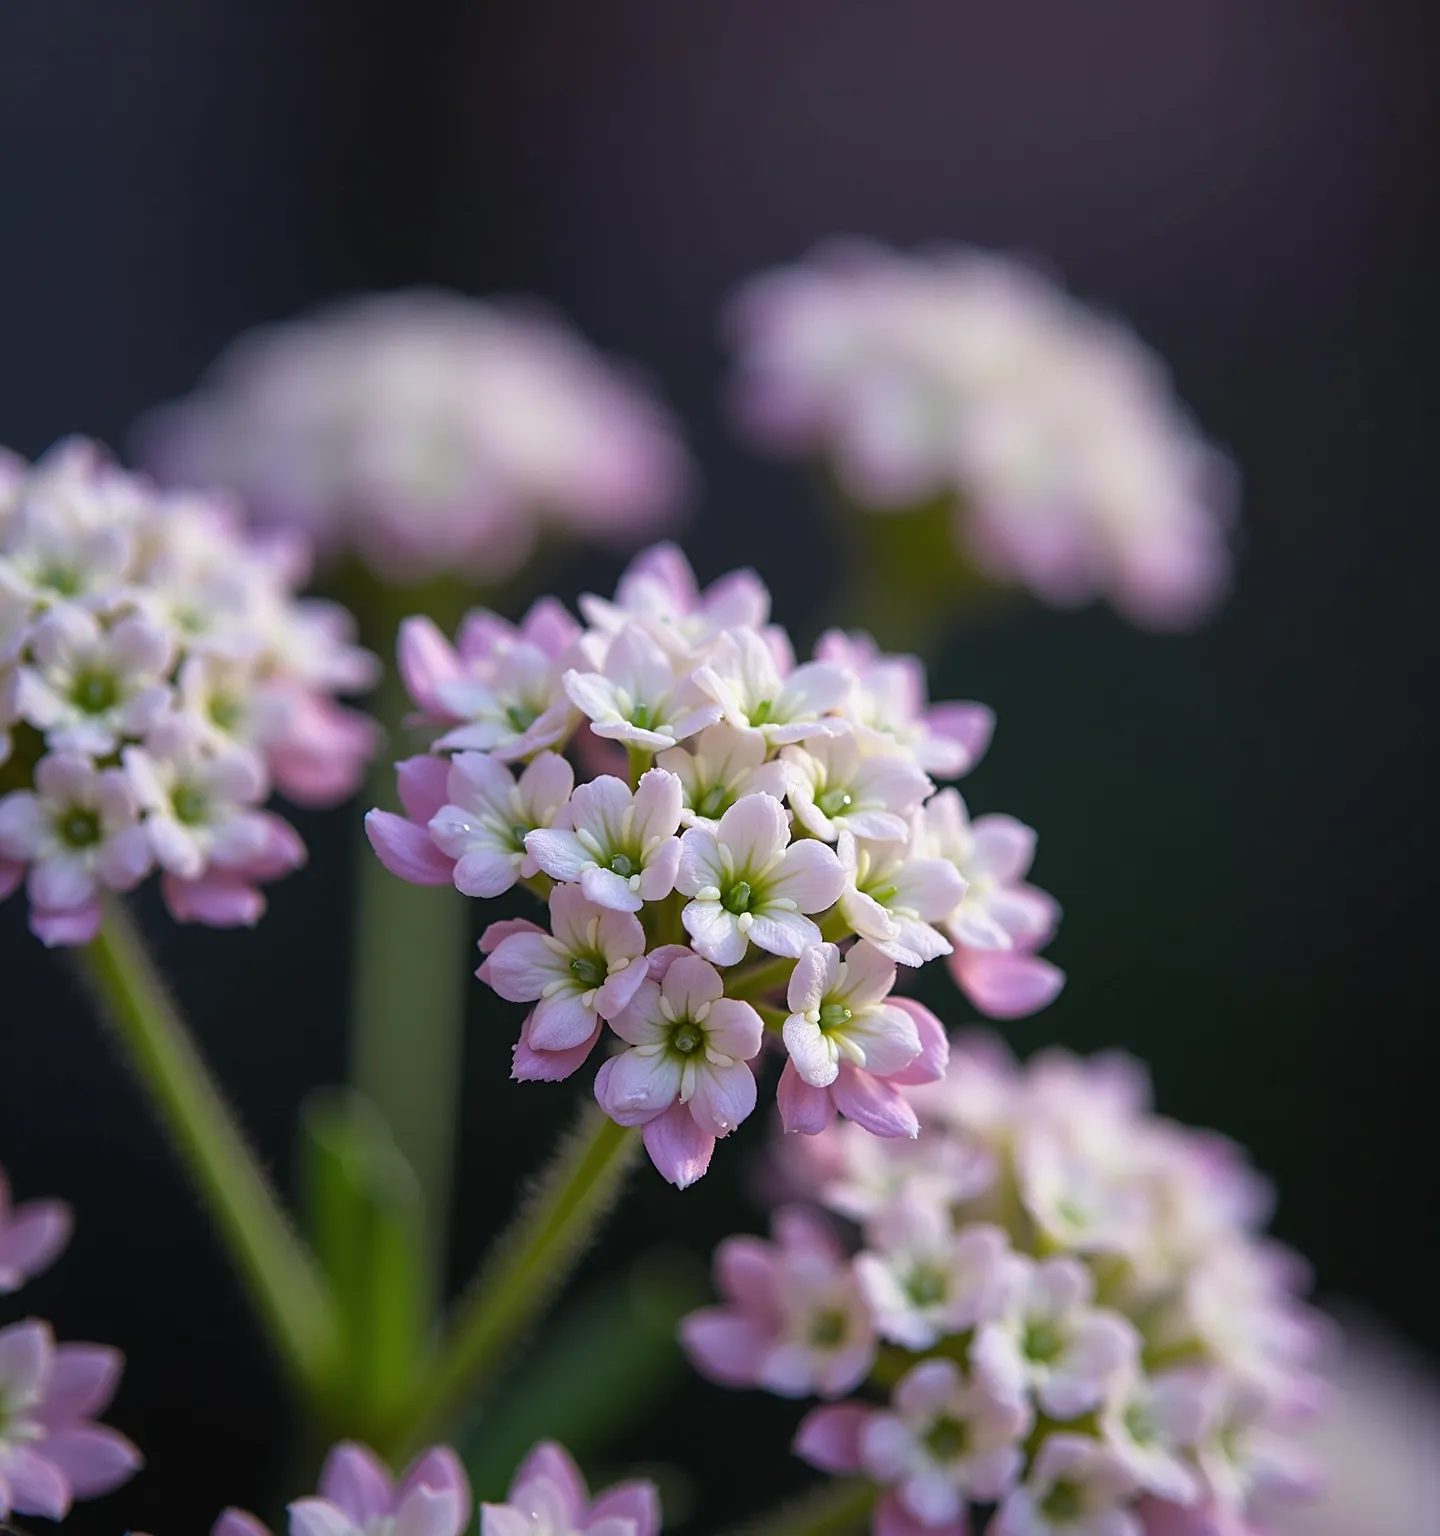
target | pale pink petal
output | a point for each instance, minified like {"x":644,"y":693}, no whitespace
{"x":354,"y":1480}
{"x":1003,"y":984}
{"x":633,"y":1088}
{"x":967,"y":728}
{"x":678,"y":1147}
{"x":700,"y":863}
{"x":714,"y":932}
{"x":813,"y":978}
{"x":690,"y":984}
{"x":811,"y":876}
{"x":37,"y":1485}
{"x":734,"y":1028}
{"x":552,"y":1463}
{"x":724,"y":1345}
{"x":783,"y":933}
{"x":423,"y":785}
{"x":929,"y":1066}
{"x":407,"y":850}
{"x":637,"y":1503}
{"x":318,"y":1517}
{"x":558,"y":852}
{"x":755,"y":829}
{"x":93,"y":1458}
{"x":659,"y":800}
{"x":439,"y":1468}
{"x":429,"y":1512}
{"x":829,"y":1438}
{"x":723,"y":1097}
{"x":810,"y":1054}
{"x":881,"y":1109}
{"x":78,"y":925}
{"x":529,"y":1065}
{"x":217,"y":900}
{"x":485,"y":875}
{"x":426,"y":659}
{"x":1004,"y":847}
{"x":522,"y":965}
{"x":32,"y":1239}
{"x":560,"y":1022}
{"x":238,"y":1522}
{"x":803,"y":1108}
{"x":891,"y":1518}
{"x":888,"y":1037}
{"x":82,"y":1382}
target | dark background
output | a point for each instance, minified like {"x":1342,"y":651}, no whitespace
{"x":1241,"y":823}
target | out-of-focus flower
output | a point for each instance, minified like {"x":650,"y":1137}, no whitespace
{"x":968,"y":378}
{"x":548,"y":1497}
{"x":51,"y":1452}
{"x":357,"y":1496}
{"x":158,"y":674}
{"x":772,"y":840}
{"x":1091,"y":1341}
{"x":32,"y":1236}
{"x":427,"y":432}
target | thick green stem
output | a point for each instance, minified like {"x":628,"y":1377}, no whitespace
{"x":409,"y":981}
{"x":523,"y":1272}
{"x":279,"y":1272}
{"x":758,"y":979}
{"x":829,"y":1509}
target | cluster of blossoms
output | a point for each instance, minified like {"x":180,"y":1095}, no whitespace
{"x":158,"y":676}
{"x":776,"y":857}
{"x":1061,"y":1305}
{"x":429,"y":433}
{"x":548,"y":1497}
{"x":51,"y":1452}
{"x":966,"y":378}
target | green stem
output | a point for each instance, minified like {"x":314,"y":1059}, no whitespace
{"x":409,"y":977}
{"x":524,"y":1271}
{"x":758,"y":979}
{"x":275,"y":1265}
{"x":828,"y":1509}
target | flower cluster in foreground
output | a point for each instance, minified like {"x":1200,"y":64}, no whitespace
{"x":158,"y":676}
{"x":1061,"y":1308}
{"x":51,"y":1451}
{"x":956,"y":376}
{"x":548,"y":1497}
{"x":760,"y":848}
{"x":429,"y":433}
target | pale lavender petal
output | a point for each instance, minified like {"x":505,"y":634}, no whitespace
{"x":522,"y":965}
{"x":217,"y":900}
{"x":426,"y":659}
{"x":723,"y":1097}
{"x":430,"y":1512}
{"x":813,"y":978}
{"x":803,"y":1108}
{"x":829,"y":1438}
{"x":881,"y":1109}
{"x":238,"y":1522}
{"x":423,"y":785}
{"x":93,"y":1458}
{"x":82,"y":1382}
{"x":724,"y":1345}
{"x":33,"y":1238}
{"x":811,"y":876}
{"x":690,"y":984}
{"x":406,"y":849}
{"x":1004,"y":847}
{"x":633,"y":1088}
{"x":27,"y":1353}
{"x":439,"y":1468}
{"x":735,"y":1028}
{"x":1003,"y":984}
{"x":77,"y":926}
{"x":678,"y":1147}
{"x":529,"y":1065}
{"x":755,"y":829}
{"x":783,"y":933}
{"x":967,"y":727}
{"x":657,"y":879}
{"x":602,"y":886}
{"x":503,"y":1520}
{"x":636,"y":1502}
{"x":353,"y":1479}
{"x":485,"y":875}
{"x":888,"y":1037}
{"x":700,"y":863}
{"x":810,"y":1054}
{"x":558,"y":852}
{"x":560,"y":1022}
{"x":929,"y":1066}
{"x":37,"y":1485}
{"x":659,"y":800}
{"x":714,"y":932}
{"x":318,"y":1517}
{"x":552,"y":1463}
{"x":891,"y":1518}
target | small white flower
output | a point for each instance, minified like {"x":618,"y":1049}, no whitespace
{"x":866,"y":1174}
{"x":89,"y":688}
{"x":515,"y":709}
{"x":749,"y":883}
{"x":1076,"y":1487}
{"x":718,"y":767}
{"x":758,"y":694}
{"x":944,"y":1440}
{"x":923,"y":1279}
{"x":838,"y":1011}
{"x":489,"y":814}
{"x":620,"y":846}
{"x":894,"y":897}
{"x":637,"y":698}
{"x":1152,"y":1424}
{"x":1053,"y":1341}
{"x":1080,"y":1203}
{"x":79,"y":828}
{"x":836,"y":785}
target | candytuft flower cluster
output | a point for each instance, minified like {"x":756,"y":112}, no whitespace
{"x":760,"y":851}
{"x":1061,"y":1308}
{"x":960,"y":377}
{"x":429,"y":433}
{"x":158,"y":677}
{"x":51,"y":1450}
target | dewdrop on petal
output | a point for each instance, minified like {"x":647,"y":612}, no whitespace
{"x":159,"y":676}
{"x":427,"y":433}
{"x":717,"y":897}
{"x":1111,"y":1350}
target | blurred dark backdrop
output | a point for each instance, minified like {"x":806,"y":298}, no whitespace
{"x":1240,"y":823}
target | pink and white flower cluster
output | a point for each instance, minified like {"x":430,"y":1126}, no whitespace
{"x":158,"y":677}
{"x":51,"y":1450}
{"x":957,"y":376}
{"x":1062,"y":1310}
{"x":429,"y":433}
{"x":756,"y":848}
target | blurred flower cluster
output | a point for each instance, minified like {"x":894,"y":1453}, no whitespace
{"x":772,"y":812}
{"x":429,"y":433}
{"x":51,"y":1451}
{"x":158,"y":676}
{"x":967,"y":378}
{"x":1061,"y":1307}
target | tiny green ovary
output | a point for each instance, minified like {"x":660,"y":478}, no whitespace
{"x":95,"y":692}
{"x":834,"y":801}
{"x":79,"y":828}
{"x":589,"y":970}
{"x":948,"y":1438}
{"x":737,"y":899}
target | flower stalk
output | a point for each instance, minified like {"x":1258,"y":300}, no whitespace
{"x":278,"y":1271}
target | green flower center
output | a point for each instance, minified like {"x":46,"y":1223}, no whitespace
{"x":711,"y":803}
{"x":687,"y":1038}
{"x":1139,"y":1423}
{"x":191,"y":805}
{"x":948,"y":1438}
{"x":926,"y":1286}
{"x":622,"y":865}
{"x":521,"y":717}
{"x":94,"y":692}
{"x":518,"y":835}
{"x":833,"y":801}
{"x":640,"y":716}
{"x":834,"y":1016}
{"x":1065,"y":1501}
{"x":225,"y":713}
{"x":590,"y":970}
{"x":61,"y":579}
{"x":79,"y":827}
{"x":737,"y":898}
{"x":828,"y":1328}
{"x":760,"y":715}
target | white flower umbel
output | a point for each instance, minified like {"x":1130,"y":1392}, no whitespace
{"x":1053,"y":1341}
{"x":758,"y":693}
{"x":894,"y":896}
{"x":749,"y":883}
{"x":720,"y":766}
{"x":839,"y":1011}
{"x":944,"y":1440}
{"x":489,"y":814}
{"x":837,"y":785}
{"x":517,"y":708}
{"x":620,"y":846}
{"x":637,"y":698}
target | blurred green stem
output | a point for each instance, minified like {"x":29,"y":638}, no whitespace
{"x":829,"y":1509}
{"x":279,"y":1272}
{"x":409,"y":966}
{"x":524,"y":1270}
